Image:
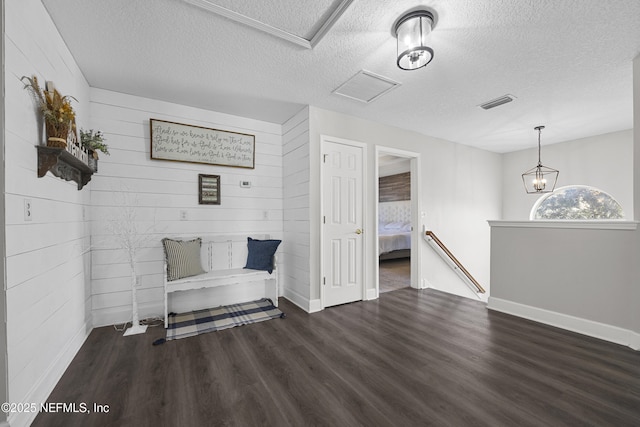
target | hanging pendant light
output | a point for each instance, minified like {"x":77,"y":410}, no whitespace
{"x":540,"y":179}
{"x":412,"y":31}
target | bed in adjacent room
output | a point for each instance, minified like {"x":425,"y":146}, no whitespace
{"x":394,"y":230}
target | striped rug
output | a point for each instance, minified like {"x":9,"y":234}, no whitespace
{"x":215,"y":319}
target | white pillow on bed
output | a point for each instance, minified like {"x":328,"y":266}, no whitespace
{"x":400,"y":226}
{"x":394,"y":225}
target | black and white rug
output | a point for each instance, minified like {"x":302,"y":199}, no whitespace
{"x":215,"y":319}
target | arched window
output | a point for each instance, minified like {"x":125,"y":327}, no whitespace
{"x":578,"y":202}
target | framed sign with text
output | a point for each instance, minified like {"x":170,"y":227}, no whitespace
{"x":196,"y":144}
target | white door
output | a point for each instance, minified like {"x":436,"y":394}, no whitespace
{"x":343,"y":240}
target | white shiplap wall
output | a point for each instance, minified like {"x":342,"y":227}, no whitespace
{"x":47,"y":263}
{"x":3,"y":306}
{"x":159,"y":191}
{"x":296,"y":207}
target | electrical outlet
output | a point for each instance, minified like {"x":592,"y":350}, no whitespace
{"x":28,"y":208}
{"x":183,"y":216}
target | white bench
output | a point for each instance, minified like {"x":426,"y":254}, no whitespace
{"x":223,"y":258}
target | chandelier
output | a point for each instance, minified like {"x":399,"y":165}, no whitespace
{"x":540,"y":179}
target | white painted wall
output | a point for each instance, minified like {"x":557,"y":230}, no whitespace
{"x":460,"y":191}
{"x":635,"y":297}
{"x":159,"y":191}
{"x":601,"y":161}
{"x":47,"y":267}
{"x":4,"y":384}
{"x":296,"y":243}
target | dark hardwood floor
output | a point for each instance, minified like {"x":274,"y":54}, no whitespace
{"x":410,"y":358}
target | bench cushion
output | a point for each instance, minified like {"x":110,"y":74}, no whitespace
{"x":261,"y":254}
{"x":183,"y":258}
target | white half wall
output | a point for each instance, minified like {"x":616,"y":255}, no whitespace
{"x":162,"y":193}
{"x":601,"y":161}
{"x":47,"y":261}
{"x":636,"y":193}
{"x":581,"y":279}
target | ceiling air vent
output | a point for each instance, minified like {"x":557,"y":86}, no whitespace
{"x":366,"y":86}
{"x":497,"y":102}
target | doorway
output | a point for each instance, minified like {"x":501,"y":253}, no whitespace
{"x":398,"y":218}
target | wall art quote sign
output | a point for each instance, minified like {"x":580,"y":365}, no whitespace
{"x":196,"y":144}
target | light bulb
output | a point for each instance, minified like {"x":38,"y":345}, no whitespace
{"x":539,"y":184}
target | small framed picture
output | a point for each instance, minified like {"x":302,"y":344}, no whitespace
{"x":209,"y":193}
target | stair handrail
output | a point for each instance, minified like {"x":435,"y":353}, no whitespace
{"x":431,"y":235}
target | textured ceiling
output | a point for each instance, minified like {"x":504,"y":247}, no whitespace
{"x":307,"y":15}
{"x":568,"y":62}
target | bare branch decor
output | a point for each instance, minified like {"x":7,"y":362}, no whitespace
{"x":124,"y":227}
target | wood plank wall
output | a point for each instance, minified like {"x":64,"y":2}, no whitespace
{"x":47,"y":260}
{"x":297,"y":224}
{"x":160,"y":192}
{"x":394,"y":188}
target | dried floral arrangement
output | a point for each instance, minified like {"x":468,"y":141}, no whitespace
{"x":57,"y":111}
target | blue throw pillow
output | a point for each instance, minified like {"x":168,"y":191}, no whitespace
{"x":261,"y":254}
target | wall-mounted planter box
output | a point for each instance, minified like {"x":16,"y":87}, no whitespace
{"x":65,"y":165}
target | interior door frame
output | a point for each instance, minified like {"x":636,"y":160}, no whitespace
{"x":416,"y":214}
{"x":365,"y":200}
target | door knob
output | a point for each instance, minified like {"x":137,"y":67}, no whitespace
{"x":358,"y":231}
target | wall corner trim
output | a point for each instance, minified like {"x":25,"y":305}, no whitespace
{"x":315,"y":305}
{"x":308,"y":305}
{"x":635,"y":341}
{"x":579,"y":325}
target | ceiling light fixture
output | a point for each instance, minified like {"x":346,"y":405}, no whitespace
{"x":412,"y":31}
{"x":536,"y":179}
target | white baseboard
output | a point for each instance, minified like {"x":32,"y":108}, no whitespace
{"x":119,"y":315}
{"x":45,"y":385}
{"x":303,"y":302}
{"x":590,"y":328}
{"x":635,"y":341}
{"x":315,"y":305}
{"x":372,"y":294}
